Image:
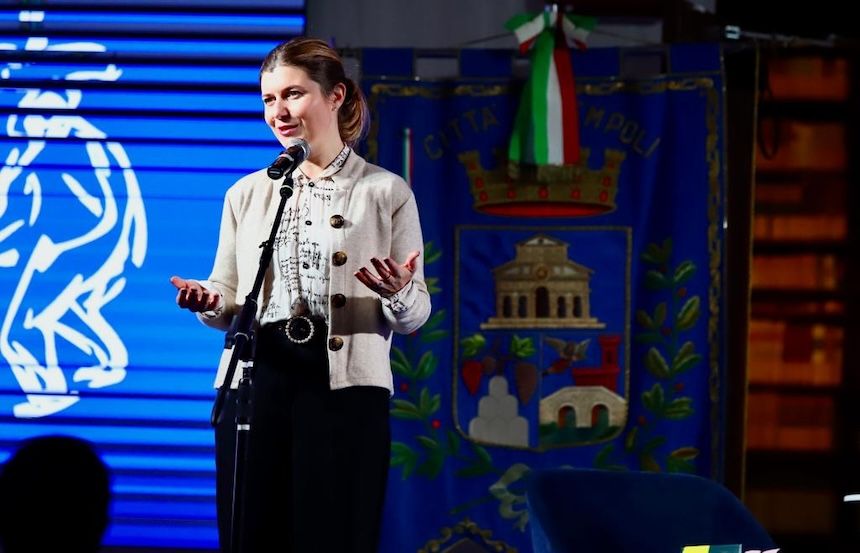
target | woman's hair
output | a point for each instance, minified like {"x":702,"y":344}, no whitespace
{"x":324,"y":66}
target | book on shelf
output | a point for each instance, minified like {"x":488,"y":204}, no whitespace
{"x":790,"y":194}
{"x":809,"y":78}
{"x":789,"y":422}
{"x":808,"y":271}
{"x":782,"y":310}
{"x":793,"y":511}
{"x":806,"y":146}
{"x":796,"y":354}
{"x":800,"y":227}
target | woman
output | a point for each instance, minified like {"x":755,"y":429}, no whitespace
{"x":346,"y":273}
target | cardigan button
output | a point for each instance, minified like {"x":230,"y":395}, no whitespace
{"x":336,"y":221}
{"x":339,"y":258}
{"x":335,"y":343}
{"x":338,"y":300}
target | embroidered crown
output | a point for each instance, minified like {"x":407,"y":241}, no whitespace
{"x":545,"y":190}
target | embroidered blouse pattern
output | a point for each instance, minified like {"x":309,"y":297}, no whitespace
{"x":303,"y":249}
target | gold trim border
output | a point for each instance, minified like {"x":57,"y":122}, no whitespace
{"x":466,"y":528}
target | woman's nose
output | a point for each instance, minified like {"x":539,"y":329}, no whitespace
{"x":281,"y":109}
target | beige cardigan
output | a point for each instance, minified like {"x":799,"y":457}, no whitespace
{"x":380,"y":218}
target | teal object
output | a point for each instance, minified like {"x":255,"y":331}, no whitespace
{"x":598,"y":511}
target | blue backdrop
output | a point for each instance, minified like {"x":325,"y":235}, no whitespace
{"x":122,"y":128}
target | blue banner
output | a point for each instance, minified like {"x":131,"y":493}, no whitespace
{"x":577,"y":309}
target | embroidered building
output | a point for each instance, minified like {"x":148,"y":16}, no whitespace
{"x":542,"y":288}
{"x":582,"y":404}
{"x":606,"y":374}
{"x":595,"y":389}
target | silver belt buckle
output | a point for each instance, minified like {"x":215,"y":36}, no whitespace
{"x":290,"y":327}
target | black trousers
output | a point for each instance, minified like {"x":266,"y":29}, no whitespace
{"x":317,"y":459}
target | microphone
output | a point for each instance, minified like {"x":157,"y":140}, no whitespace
{"x":289,"y":159}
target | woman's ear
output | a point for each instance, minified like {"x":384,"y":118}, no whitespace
{"x":337,"y":96}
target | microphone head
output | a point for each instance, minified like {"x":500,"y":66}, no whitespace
{"x":289,"y":159}
{"x":299,"y":150}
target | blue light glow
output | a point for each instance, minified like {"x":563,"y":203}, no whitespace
{"x":113,"y":179}
{"x":145,"y":19}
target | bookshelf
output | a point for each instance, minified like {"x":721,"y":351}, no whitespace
{"x":801,"y":425}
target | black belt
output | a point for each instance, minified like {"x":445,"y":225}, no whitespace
{"x":301,"y":329}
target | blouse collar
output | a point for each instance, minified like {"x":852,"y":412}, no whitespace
{"x":332,"y":168}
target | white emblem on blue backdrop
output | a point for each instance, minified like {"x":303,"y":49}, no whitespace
{"x":76,"y":228}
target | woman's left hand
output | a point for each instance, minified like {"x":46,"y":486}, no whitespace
{"x":391,"y":277}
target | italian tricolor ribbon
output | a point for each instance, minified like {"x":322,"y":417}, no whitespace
{"x":546,"y":130}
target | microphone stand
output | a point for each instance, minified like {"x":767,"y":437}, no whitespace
{"x":241,"y":336}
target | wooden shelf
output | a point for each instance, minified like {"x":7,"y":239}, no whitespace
{"x":796,"y":294}
{"x":835,"y":319}
{"x":798,"y":459}
{"x":802,"y":543}
{"x":769,"y":246}
{"x":769,"y":469}
{"x":794,"y":388}
{"x":799,"y":175}
{"x":790,"y":472}
{"x":816,"y":110}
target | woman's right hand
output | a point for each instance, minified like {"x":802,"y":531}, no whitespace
{"x":194,"y":296}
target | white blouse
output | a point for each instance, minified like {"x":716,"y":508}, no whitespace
{"x":303,"y":248}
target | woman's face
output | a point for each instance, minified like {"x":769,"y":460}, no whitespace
{"x":295,"y":107}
